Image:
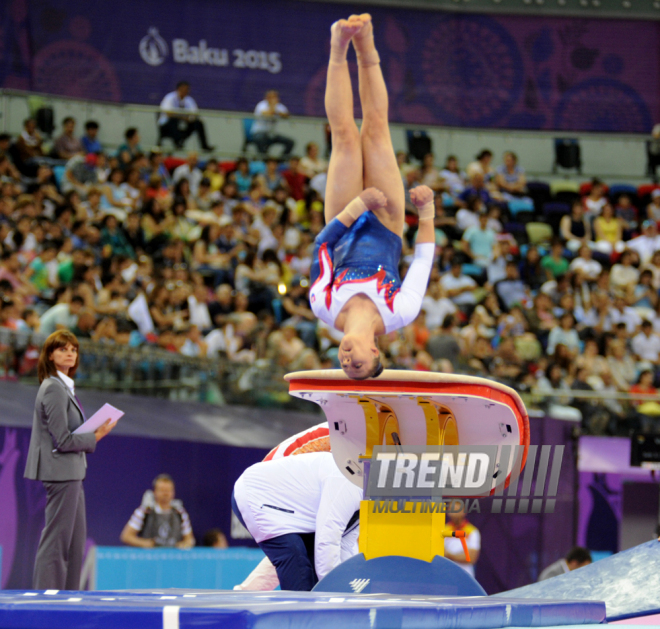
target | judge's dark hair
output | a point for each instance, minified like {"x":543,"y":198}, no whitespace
{"x":46,"y":367}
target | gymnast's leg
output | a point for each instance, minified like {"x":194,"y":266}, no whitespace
{"x":345,"y":169}
{"x":380,"y":167}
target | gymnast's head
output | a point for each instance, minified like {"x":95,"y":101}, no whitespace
{"x":359,"y":357}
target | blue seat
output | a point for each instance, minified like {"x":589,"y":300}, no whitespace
{"x":247,"y":135}
{"x":523,"y":204}
{"x":58,"y":173}
{"x":257,"y":167}
{"x":623,"y":188}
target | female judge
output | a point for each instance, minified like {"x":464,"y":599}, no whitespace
{"x":57,"y":457}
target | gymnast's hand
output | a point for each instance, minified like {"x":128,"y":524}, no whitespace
{"x":369,"y":199}
{"x":422,"y":198}
{"x":374,"y":199}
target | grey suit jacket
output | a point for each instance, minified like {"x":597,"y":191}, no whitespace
{"x":55,"y":454}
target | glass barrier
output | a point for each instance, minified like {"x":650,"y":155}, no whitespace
{"x":157,"y":372}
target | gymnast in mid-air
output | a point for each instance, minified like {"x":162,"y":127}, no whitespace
{"x":355,"y":279}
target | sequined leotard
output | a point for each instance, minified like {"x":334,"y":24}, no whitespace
{"x":364,"y":259}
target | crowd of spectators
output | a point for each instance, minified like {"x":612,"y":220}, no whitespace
{"x":213,"y":259}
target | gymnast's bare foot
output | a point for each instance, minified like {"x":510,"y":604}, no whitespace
{"x":342,"y":31}
{"x":373,"y":198}
{"x":363,"y":41}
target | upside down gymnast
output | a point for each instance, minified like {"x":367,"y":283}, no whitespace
{"x":355,"y":280}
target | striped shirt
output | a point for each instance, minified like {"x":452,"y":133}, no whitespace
{"x":137,"y":519}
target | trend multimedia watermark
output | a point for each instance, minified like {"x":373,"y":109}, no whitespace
{"x":423,"y":479}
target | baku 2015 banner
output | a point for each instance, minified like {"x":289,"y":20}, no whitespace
{"x":442,"y":68}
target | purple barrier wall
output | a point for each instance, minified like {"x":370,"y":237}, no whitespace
{"x":441,"y":68}
{"x":603,"y":469}
{"x":118,"y":474}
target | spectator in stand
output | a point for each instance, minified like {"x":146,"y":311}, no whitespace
{"x":564,"y":334}
{"x":626,"y":212}
{"x":646,"y":244}
{"x":241,"y":176}
{"x":647,"y":409}
{"x":179,"y":117}
{"x":478,"y":242}
{"x":295,"y":179}
{"x":646,"y":345}
{"x":574,"y":227}
{"x":595,"y":200}
{"x":510,"y":178}
{"x":653,"y":208}
{"x":311,"y":164}
{"x":130,"y":149}
{"x":622,"y":313}
{"x":29,"y":143}
{"x":63,"y":315}
{"x":643,"y":295}
{"x":585,"y":266}
{"x":482,"y":166}
{"x":453,"y":177}
{"x":113,"y":239}
{"x":654,"y":266}
{"x":214,"y":174}
{"x":190,"y":171}
{"x":444,"y":345}
{"x":608,"y":231}
{"x":430,"y":175}
{"x":459,"y":287}
{"x":477,"y":189}
{"x":436,"y":305}
{"x":555,"y":263}
{"x":623,"y":274}
{"x":266,"y":114}
{"x":67,"y":145}
{"x":512,"y":290}
{"x":531,"y":271}
{"x":90,"y":140}
{"x":622,"y":365}
{"x":160,"y":520}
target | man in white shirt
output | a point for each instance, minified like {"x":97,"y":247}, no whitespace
{"x":622,"y":313}
{"x":298,"y":508}
{"x":436,"y":305}
{"x":646,"y":244}
{"x":179,"y":120}
{"x":646,"y":345}
{"x":189,"y":171}
{"x":459,"y":287}
{"x":266,"y":115}
{"x":585,"y":265}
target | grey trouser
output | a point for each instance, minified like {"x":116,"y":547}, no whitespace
{"x":62,"y":545}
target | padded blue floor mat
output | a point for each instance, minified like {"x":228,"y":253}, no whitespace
{"x":188,"y":609}
{"x":628,"y":583}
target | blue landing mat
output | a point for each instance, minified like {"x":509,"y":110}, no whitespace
{"x":628,"y":583}
{"x":190,"y":609}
